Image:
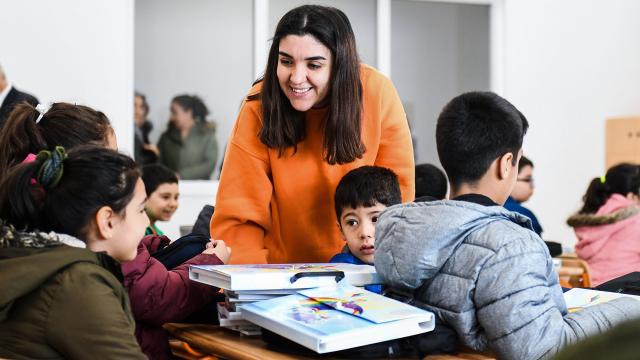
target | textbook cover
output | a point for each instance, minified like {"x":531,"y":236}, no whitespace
{"x":338,"y":317}
{"x":282,"y":276}
{"x":578,"y":299}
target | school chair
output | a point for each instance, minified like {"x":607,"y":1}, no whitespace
{"x":574,"y":272}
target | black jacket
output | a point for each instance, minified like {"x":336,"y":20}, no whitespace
{"x":13,"y":98}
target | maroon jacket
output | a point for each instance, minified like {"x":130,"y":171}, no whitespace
{"x":159,"y":295}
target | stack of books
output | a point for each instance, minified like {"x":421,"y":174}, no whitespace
{"x":338,"y":317}
{"x":247,"y":284}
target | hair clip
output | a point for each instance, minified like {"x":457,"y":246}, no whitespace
{"x":42,"y":110}
{"x":603,"y":179}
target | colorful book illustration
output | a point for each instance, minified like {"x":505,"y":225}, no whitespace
{"x":578,"y":299}
{"x":338,"y":317}
{"x":282,"y":276}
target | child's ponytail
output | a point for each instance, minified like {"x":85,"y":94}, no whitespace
{"x":20,"y":136}
{"x":61,"y":193}
{"x":621,"y":179}
{"x":21,"y":198}
{"x":69,"y":125}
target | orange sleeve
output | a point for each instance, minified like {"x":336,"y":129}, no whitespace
{"x":396,"y":148}
{"x":242,"y":214}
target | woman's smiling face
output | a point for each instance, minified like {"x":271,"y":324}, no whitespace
{"x":304,"y":71}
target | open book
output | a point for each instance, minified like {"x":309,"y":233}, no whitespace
{"x":338,"y":317}
{"x":282,"y":276}
{"x":578,"y":299}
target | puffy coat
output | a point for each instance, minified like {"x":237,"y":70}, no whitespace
{"x":609,"y":240}
{"x":484,"y":273}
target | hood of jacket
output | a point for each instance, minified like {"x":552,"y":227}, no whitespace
{"x":433,"y":231}
{"x":29,"y":259}
{"x":611,"y":221}
{"x":616,"y":209}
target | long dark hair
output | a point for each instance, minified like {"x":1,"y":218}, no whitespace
{"x":87,"y":179}
{"x":620,"y":179}
{"x":64,"y":124}
{"x":282,"y":125}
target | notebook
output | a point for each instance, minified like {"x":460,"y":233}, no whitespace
{"x":578,"y":298}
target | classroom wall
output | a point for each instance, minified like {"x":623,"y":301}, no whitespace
{"x":438,"y":50}
{"x":568,"y":66}
{"x":197,"y":47}
{"x":73,"y":50}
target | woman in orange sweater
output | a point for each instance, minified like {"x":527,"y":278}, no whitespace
{"x":317,"y":114}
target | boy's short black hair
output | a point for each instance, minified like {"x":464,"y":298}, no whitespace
{"x":430,"y":181}
{"x":366,"y":186}
{"x":524,"y":161}
{"x":473,"y":130}
{"x":154,"y":175}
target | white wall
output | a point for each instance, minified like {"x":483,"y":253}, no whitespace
{"x":438,"y":51}
{"x":78,"y":51}
{"x":569,"y":65}
{"x":197,"y":47}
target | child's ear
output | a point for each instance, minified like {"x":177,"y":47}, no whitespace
{"x":341,"y":232}
{"x":505,"y":166}
{"x":105,"y":222}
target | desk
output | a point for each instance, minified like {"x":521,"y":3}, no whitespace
{"x":217,"y":342}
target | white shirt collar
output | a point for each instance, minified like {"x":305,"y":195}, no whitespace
{"x":5,"y":92}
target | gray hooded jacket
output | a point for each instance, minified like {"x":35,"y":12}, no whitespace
{"x":484,"y":272}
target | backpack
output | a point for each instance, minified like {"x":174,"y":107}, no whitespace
{"x":626,"y":284}
{"x":181,"y":250}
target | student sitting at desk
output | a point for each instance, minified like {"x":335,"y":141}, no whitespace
{"x":522,"y":191}
{"x":62,"y":295}
{"x":161,"y":184}
{"x":608,"y":225}
{"x":361,"y":196}
{"x":478,"y":266}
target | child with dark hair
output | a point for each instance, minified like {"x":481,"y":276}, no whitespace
{"x":30,"y":130}
{"x":161,"y":184}
{"x":189,"y":146}
{"x":478,"y":266}
{"x":608,"y":225}
{"x":157,"y":295}
{"x":431,"y":183}
{"x":62,"y":295}
{"x":162,"y":294}
{"x":362,"y":194}
{"x":522,"y":191}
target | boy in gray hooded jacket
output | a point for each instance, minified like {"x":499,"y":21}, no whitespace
{"x":478,"y":266}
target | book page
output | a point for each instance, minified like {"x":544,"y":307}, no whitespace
{"x":578,"y":299}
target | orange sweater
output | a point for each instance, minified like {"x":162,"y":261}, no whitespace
{"x":280,"y":209}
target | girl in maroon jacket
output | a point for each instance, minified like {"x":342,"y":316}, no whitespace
{"x":159,"y":295}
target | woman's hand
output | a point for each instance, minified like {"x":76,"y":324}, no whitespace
{"x":219,"y":249}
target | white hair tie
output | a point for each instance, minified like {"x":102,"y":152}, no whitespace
{"x":42,"y":110}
